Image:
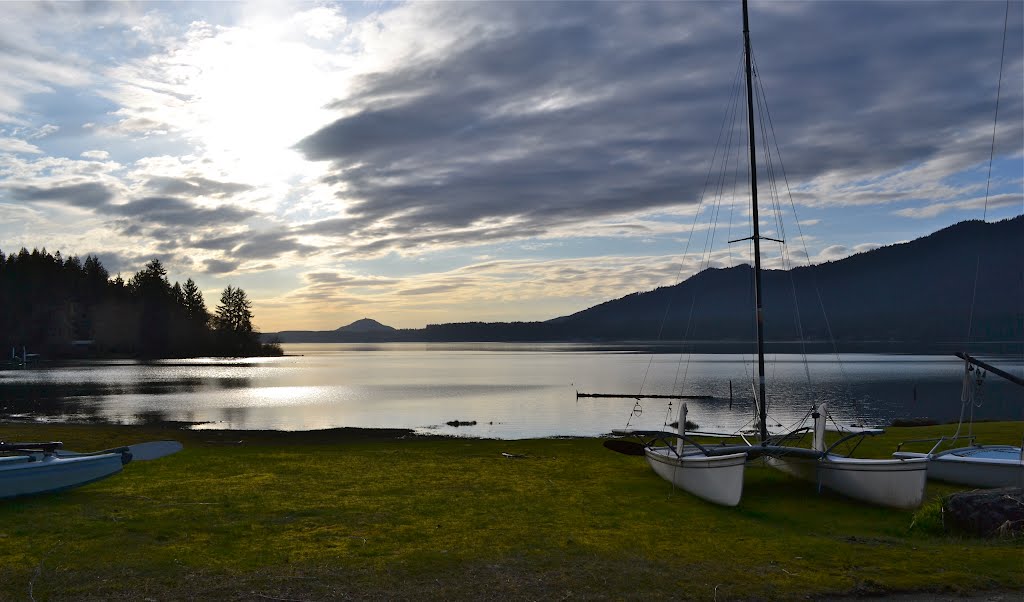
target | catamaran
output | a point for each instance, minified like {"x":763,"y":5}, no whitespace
{"x":716,"y":473}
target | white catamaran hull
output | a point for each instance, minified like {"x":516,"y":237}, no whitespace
{"x":717,"y":479}
{"x":897,"y":483}
{"x":32,"y":474}
{"x":979,"y":466}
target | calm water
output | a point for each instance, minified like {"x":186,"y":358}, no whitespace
{"x":511,"y":391}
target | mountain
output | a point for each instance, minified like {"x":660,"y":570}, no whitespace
{"x":918,"y":292}
{"x":914,"y":296}
{"x":365,"y":325}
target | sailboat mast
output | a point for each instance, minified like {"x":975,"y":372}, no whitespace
{"x":762,"y":409}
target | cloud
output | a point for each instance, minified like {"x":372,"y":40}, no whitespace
{"x":523,"y":120}
{"x":219,"y":266}
{"x":334,"y":279}
{"x":42,"y":131}
{"x":171,"y":211}
{"x":14,"y":145}
{"x":365,"y":154}
{"x":195,"y":186}
{"x":268,"y":245}
{"x":86,"y":195}
{"x":975,"y":206}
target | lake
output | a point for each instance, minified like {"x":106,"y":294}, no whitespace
{"x":509,"y":390}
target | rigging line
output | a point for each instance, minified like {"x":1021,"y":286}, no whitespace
{"x":988,"y":181}
{"x":731,"y":110}
{"x":968,"y":397}
{"x":686,"y":248}
{"x":787,"y":265}
{"x":766,"y":153}
{"x":807,"y":255}
{"x":772,"y":187}
{"x":770,"y":161}
{"x":709,"y":240}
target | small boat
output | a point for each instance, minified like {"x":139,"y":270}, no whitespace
{"x":696,"y":469}
{"x":986,"y":466}
{"x":34,"y":468}
{"x":896,"y":482}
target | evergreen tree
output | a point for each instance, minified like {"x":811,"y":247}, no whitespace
{"x":195,"y":307}
{"x":151,"y":282}
{"x":234,"y":314}
{"x":151,"y":287}
{"x":233,"y":324}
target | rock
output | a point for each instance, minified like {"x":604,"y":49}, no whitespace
{"x":986,"y":512}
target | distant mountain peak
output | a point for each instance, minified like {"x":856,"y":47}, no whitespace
{"x":365,"y":325}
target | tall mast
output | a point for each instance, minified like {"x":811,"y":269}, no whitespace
{"x":762,"y":410}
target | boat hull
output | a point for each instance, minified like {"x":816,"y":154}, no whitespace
{"x":897,"y":483}
{"x":30,"y":475}
{"x":986,"y":466}
{"x":717,"y":479}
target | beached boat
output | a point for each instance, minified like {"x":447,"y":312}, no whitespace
{"x":710,"y":474}
{"x":974,"y":465}
{"x":34,"y":468}
{"x":716,"y":474}
{"x":896,"y":482}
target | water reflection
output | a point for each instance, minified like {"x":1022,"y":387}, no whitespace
{"x":509,"y":390}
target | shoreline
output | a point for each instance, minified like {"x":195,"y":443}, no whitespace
{"x":391,"y":514}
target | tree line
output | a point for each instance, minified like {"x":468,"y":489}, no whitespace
{"x":72,"y":307}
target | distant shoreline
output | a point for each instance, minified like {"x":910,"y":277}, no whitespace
{"x":811,"y":347}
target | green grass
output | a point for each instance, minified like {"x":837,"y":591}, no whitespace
{"x":325,"y":515}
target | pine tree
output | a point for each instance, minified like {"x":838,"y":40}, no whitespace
{"x":233,"y":323}
{"x":195,"y":307}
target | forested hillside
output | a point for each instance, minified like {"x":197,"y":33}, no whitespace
{"x":60,"y":307}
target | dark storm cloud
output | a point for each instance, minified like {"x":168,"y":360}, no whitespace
{"x":87,"y":195}
{"x":566,"y":112}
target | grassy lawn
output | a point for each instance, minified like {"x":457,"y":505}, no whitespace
{"x":365,"y":514}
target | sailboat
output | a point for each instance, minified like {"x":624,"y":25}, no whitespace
{"x":974,"y":465}
{"x":716,"y":473}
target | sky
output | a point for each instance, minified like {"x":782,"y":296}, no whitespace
{"x":422,"y":163}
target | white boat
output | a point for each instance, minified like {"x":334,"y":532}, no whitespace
{"x":896,"y":482}
{"x":717,"y":478}
{"x":716,"y":474}
{"x":34,"y":468}
{"x":986,"y":466}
